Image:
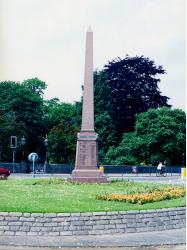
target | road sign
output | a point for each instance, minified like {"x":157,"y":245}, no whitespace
{"x":33,"y":157}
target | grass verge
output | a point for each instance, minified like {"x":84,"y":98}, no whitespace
{"x":55,"y":195}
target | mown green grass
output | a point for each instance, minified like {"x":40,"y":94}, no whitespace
{"x":55,"y":195}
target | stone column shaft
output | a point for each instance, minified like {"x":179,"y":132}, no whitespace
{"x":88,"y":100}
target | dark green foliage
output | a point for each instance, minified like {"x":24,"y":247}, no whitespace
{"x":8,"y":127}
{"x":133,"y":86}
{"x":159,"y":136}
{"x":35,"y":85}
{"x":62,"y":145}
{"x":21,"y":110}
{"x":103,"y":114}
{"x":58,"y":112}
{"x":62,"y":125}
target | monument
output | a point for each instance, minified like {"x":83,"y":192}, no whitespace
{"x":86,"y":164}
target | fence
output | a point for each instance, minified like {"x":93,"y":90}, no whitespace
{"x":67,"y":168}
{"x":40,"y":168}
{"x":124,"y":169}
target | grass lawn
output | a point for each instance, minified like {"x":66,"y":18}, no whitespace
{"x":55,"y":195}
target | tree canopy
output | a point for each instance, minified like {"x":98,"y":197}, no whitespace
{"x":133,"y":86}
{"x":159,"y":136}
{"x":21,"y":110}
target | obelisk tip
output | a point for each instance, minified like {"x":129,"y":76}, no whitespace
{"x":89,"y":29}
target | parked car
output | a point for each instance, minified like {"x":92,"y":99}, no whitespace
{"x":4,"y":173}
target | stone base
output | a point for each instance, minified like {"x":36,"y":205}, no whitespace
{"x":87,"y":159}
{"x":87,"y":175}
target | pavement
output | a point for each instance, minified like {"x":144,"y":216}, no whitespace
{"x":174,"y":247}
{"x":167,"y":238}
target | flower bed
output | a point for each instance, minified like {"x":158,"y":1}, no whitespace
{"x":141,"y":198}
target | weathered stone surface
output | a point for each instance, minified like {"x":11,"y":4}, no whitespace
{"x":20,"y":233}
{"x":98,"y":227}
{"x":27,"y":224}
{"x":11,"y":233}
{"x":15,"y":223}
{"x":35,"y":229}
{"x":11,"y":218}
{"x":27,"y":219}
{"x":87,"y":214}
{"x":32,"y":233}
{"x":43,"y":220}
{"x":37,"y":215}
{"x":4,"y":228}
{"x":66,"y":233}
{"x":25,"y":229}
{"x":78,"y":223}
{"x":91,"y":223}
{"x":26,"y":214}
{"x":121,"y":226}
{"x":114,"y":221}
{"x":63,"y":215}
{"x":3,"y":223}
{"x":54,"y":233}
{"x":46,"y":229}
{"x":64,"y":223}
{"x":49,"y":215}
{"x":3,"y":213}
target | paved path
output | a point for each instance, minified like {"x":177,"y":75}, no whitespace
{"x":165,"y":247}
{"x":167,"y":237}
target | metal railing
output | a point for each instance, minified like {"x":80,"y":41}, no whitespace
{"x":108,"y":169}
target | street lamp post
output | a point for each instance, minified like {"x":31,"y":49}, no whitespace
{"x":23,"y":143}
{"x":46,"y":142}
{"x":13,"y":146}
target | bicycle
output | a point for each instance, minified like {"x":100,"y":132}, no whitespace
{"x":161,"y":172}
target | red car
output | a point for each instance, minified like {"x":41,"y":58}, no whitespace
{"x":4,"y":173}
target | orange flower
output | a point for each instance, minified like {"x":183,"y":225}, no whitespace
{"x":166,"y":193}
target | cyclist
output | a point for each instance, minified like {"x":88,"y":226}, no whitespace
{"x":161,"y":169}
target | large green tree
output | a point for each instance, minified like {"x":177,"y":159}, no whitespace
{"x":159,"y":136}
{"x":21,"y":105}
{"x":9,"y":127}
{"x":133,"y":86}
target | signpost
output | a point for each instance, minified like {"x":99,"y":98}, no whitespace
{"x":33,"y":157}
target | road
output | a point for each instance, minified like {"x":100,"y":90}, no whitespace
{"x":174,"y":179}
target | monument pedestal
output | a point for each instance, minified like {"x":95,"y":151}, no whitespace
{"x":86,"y":169}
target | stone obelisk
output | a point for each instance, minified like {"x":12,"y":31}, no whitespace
{"x":86,"y":164}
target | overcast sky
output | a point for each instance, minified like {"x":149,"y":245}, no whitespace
{"x":46,"y":39}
